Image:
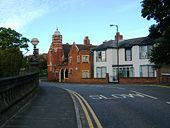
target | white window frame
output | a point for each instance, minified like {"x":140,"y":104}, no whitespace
{"x":85,"y":73}
{"x":85,"y":58}
{"x":147,"y":71}
{"x":101,"y":56}
{"x":128,"y":57}
{"x":126,"y":71}
{"x":100,"y":73}
{"x":145,"y":51}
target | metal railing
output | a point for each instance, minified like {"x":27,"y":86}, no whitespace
{"x":14,"y":89}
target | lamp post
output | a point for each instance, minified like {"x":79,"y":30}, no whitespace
{"x":34,"y":42}
{"x":34,"y":62}
{"x":117,"y":42}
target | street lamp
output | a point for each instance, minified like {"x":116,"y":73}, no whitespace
{"x":117,"y":42}
{"x":34,"y":62}
{"x":34,"y":42}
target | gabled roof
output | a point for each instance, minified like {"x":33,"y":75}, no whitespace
{"x":125,"y":43}
{"x":81,"y":47}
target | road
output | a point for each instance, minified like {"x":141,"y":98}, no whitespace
{"x":127,"y":106}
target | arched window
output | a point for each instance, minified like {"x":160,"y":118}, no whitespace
{"x":62,"y":75}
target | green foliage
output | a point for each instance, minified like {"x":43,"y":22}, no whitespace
{"x":160,"y":54}
{"x":11,"y":58}
{"x":43,"y":64}
{"x":159,"y":10}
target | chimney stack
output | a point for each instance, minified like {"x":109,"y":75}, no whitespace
{"x":86,"y":40}
{"x":120,"y":37}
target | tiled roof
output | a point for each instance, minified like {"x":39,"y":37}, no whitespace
{"x":136,"y":41}
{"x":106,"y":45}
{"x":125,"y":43}
{"x":85,"y":47}
{"x":66,"y":48}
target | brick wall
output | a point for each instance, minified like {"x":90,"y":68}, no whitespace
{"x":51,"y":76}
{"x":78,"y":67}
{"x":89,"y":80}
{"x":138,"y":80}
{"x":165,"y":79}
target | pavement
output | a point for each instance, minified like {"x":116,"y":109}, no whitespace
{"x":52,"y":108}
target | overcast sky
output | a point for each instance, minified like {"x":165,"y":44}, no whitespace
{"x":75,"y":19}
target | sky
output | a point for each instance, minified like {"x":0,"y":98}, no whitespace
{"x":75,"y":19}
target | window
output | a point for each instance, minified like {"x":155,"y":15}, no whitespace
{"x":147,"y":71}
{"x":126,"y":71}
{"x":70,"y":59}
{"x":101,"y":72}
{"x":128,"y":54}
{"x":78,"y":59}
{"x":85,"y":74}
{"x":100,"y":56}
{"x":145,"y":51}
{"x":85,"y":58}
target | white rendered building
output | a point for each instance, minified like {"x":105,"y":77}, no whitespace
{"x":133,"y":59}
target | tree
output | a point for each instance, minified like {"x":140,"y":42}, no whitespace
{"x":43,"y":64}
{"x":159,"y":10}
{"x":11,"y":57}
{"x":160,"y":54}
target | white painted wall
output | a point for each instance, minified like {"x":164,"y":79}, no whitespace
{"x":111,"y":59}
{"x":136,"y":62}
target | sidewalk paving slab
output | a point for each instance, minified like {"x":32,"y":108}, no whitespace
{"x":52,"y":108}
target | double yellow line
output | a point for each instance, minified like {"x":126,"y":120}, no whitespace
{"x":85,"y":106}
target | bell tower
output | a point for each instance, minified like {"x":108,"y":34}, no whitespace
{"x":56,"y":48}
{"x":57,"y":40}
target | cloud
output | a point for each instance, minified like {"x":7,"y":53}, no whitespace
{"x":18,"y":13}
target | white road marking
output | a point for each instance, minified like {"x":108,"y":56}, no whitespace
{"x":122,"y":96}
{"x":168,"y":102}
{"x":116,"y":96}
{"x":155,"y":98}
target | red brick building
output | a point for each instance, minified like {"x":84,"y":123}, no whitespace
{"x":69,"y":63}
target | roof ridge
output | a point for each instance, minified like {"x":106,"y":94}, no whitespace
{"x":135,"y":38}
